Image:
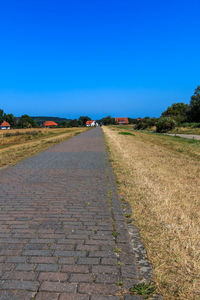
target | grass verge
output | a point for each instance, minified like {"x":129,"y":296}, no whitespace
{"x":18,"y":144}
{"x":159,"y":176}
{"x":186,"y":130}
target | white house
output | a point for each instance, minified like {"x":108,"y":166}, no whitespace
{"x":91,"y":123}
{"x":5,"y":125}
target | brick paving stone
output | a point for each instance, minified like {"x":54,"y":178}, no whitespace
{"x":87,"y":247}
{"x":67,"y":260}
{"x":102,"y":254}
{"x":46,"y":267}
{"x":10,"y":252}
{"x":64,"y":247}
{"x":98,"y":288}
{"x":133,"y":297}
{"x":6,"y":267}
{"x":46,"y":296}
{"x":107,"y":278}
{"x":109,"y":261}
{"x":61,"y":287}
{"x":52,"y":276}
{"x":56,"y":226}
{"x":65,"y":296}
{"x":2,"y":259}
{"x":82,"y":277}
{"x":70,"y":253}
{"x":105,"y":298}
{"x":88,"y":261}
{"x":42,"y":241}
{"x":25,"y":267}
{"x":75,"y":269}
{"x":37,"y":253}
{"x":36,"y":247}
{"x":19,"y":275}
{"x":16,"y":259}
{"x":105,"y":269}
{"x":19,"y":285}
{"x":16,"y":295}
{"x":43,"y":260}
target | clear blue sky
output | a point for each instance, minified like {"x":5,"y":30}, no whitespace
{"x":121,"y":58}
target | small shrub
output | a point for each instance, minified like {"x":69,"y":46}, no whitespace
{"x":126,"y":133}
{"x":115,"y":234}
{"x":127,"y":215}
{"x":145,"y":289}
{"x":117,"y":250}
{"x":165,"y":124}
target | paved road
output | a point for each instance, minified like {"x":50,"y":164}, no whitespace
{"x":186,"y":136}
{"x":58,"y":212}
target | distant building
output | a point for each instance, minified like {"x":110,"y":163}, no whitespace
{"x":122,"y":121}
{"x":49,"y":124}
{"x":90,"y":123}
{"x":5,"y":125}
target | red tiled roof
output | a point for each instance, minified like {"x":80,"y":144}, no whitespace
{"x":5,"y":124}
{"x":50,"y":123}
{"x":121,"y":120}
{"x":89,"y":122}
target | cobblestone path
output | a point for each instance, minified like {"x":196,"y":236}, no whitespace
{"x":62,"y":231}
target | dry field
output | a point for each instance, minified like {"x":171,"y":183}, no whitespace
{"x":17,"y":144}
{"x":160,"y":177}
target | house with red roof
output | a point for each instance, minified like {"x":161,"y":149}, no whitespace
{"x":90,"y":123}
{"x":122,"y":121}
{"x":49,"y":124}
{"x":5,"y":125}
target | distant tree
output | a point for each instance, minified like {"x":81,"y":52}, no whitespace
{"x":10,"y":119}
{"x":27,"y":122}
{"x":74,"y":123}
{"x":83,"y":119}
{"x":108,"y":121}
{"x":141,"y":125}
{"x":2,"y":115}
{"x":132,"y":121}
{"x":165,"y":124}
{"x":64,"y":124}
{"x":145,"y":123}
{"x":194,"y":111}
{"x":178,"y":111}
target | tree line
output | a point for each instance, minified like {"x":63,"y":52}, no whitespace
{"x":182,"y":112}
{"x":176,"y":114}
{"x":25,"y":121}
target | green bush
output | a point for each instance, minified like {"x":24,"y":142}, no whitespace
{"x":126,"y":133}
{"x":141,"y":125}
{"x":165,"y":124}
{"x":145,"y":123}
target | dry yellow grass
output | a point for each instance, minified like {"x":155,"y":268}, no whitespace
{"x":186,"y":130}
{"x":160,"y":177}
{"x":26,"y":142}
